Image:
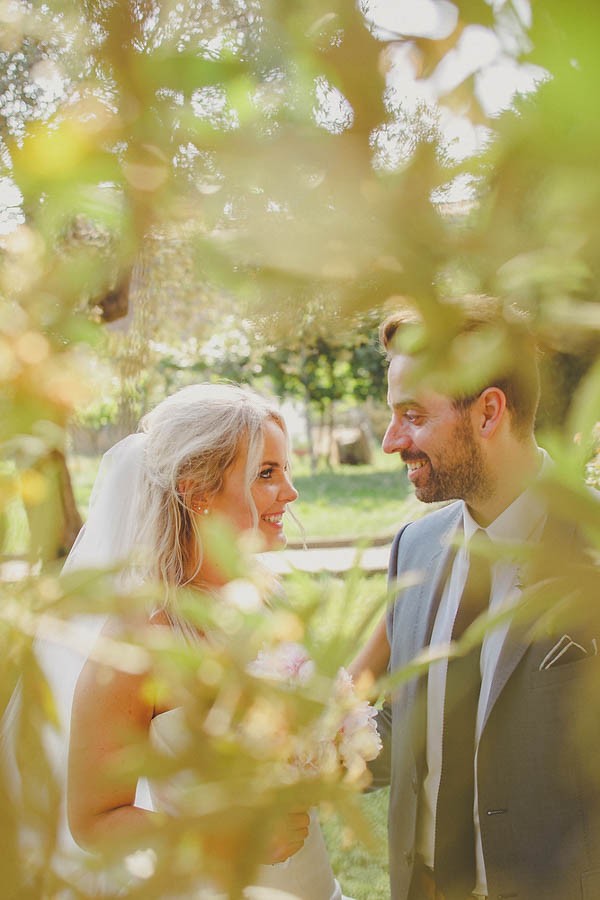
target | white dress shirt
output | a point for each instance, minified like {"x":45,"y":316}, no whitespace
{"x":522,"y":521}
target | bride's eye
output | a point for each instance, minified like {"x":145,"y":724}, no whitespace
{"x":266,"y":473}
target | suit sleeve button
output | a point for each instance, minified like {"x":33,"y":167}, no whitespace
{"x":409,"y":857}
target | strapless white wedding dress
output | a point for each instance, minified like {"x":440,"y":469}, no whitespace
{"x":305,"y":876}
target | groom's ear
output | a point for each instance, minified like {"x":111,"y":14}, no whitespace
{"x":489,"y":409}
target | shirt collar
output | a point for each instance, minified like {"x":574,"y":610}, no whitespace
{"x":518,"y":522}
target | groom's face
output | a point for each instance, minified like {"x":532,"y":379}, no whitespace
{"x":435,"y":439}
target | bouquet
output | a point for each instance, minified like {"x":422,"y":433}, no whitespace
{"x":343,"y":738}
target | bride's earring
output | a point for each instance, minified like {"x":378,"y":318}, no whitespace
{"x":202,"y":511}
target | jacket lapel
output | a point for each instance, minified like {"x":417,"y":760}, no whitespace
{"x":514,"y":648}
{"x":428,"y":595}
{"x":517,"y":643}
{"x":412,"y":631}
{"x":432,"y":588}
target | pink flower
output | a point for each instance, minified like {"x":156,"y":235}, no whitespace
{"x":287,"y":662}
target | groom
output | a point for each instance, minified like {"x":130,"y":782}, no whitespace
{"x":493,"y":755}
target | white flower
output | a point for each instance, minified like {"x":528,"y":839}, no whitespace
{"x":287,"y":662}
{"x":316,"y":757}
{"x":358,"y":741}
{"x":344,"y":737}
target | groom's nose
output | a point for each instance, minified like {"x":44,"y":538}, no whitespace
{"x":395,"y":438}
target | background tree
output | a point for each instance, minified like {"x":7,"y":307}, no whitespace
{"x":247,"y":127}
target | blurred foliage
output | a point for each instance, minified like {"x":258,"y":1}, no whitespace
{"x":275,"y":139}
{"x":226,"y":796}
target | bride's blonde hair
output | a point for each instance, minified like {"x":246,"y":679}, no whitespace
{"x":192,"y":439}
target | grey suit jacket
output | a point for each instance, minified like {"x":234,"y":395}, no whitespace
{"x":539,"y":751}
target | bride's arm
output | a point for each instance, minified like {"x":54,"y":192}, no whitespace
{"x":374,"y":656}
{"x":110,"y":712}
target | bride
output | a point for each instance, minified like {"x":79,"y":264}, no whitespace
{"x":209,"y":452}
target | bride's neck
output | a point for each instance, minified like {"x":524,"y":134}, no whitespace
{"x":208,"y":577}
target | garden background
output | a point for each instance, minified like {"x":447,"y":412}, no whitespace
{"x":241,"y":190}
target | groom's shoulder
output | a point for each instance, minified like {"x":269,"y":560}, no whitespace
{"x":432,"y":522}
{"x":424,"y":534}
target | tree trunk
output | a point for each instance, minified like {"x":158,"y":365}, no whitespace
{"x":54,"y":523}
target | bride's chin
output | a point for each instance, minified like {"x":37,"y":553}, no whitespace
{"x":274,"y":541}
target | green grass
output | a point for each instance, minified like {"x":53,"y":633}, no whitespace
{"x":15,"y":539}
{"x":354,"y":501}
{"x":363,"y":874}
{"x":340,"y":607}
{"x":83,"y":471}
{"x":14,"y":528}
